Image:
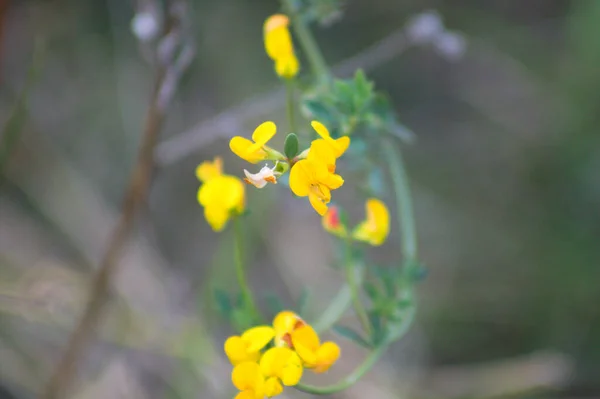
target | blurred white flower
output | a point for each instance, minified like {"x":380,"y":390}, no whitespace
{"x":424,"y":27}
{"x":451,"y":45}
{"x":145,"y":26}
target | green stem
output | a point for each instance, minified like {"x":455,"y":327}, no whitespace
{"x":289,"y":91}
{"x":406,"y":221}
{"x":240,"y":270}
{"x":367,"y":364}
{"x":350,"y":266}
{"x":307,"y":42}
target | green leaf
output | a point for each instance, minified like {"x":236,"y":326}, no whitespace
{"x":290,"y":146}
{"x":363,"y":87}
{"x":378,"y":328}
{"x":223,"y":302}
{"x":371,"y":291}
{"x":352,"y":335}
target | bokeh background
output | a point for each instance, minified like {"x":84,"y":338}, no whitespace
{"x":505,"y":170}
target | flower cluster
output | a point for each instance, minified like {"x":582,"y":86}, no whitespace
{"x":373,"y":230}
{"x":221,"y":195}
{"x":279,"y":46}
{"x":312,"y":172}
{"x":266,"y":358}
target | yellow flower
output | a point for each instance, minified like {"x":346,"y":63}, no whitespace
{"x":331,"y":222}
{"x":313,"y":179}
{"x":279,"y":46}
{"x":247,"y":347}
{"x":248,"y":378}
{"x":315,"y":355}
{"x":376,"y":227}
{"x":256,"y":150}
{"x":221,"y":195}
{"x":280,"y":365}
{"x":338,"y":146}
{"x":207,"y":170}
{"x":283,"y":324}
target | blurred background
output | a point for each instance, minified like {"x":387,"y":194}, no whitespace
{"x":505,"y":173}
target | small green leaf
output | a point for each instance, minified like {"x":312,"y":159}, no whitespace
{"x":351,"y":335}
{"x":290,"y":146}
{"x":378,"y":328}
{"x":371,"y":291}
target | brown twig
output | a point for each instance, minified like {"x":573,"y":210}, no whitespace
{"x":169,"y":70}
{"x":137,"y":191}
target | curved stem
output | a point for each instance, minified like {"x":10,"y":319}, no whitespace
{"x":361,"y":313}
{"x":240,"y":270}
{"x":289,"y":91}
{"x":367,"y":364}
{"x":308,"y":43}
{"x":335,"y":310}
{"x":406,"y":221}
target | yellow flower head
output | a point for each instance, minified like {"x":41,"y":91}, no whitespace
{"x":280,"y":365}
{"x":221,"y":195}
{"x":248,"y":378}
{"x":312,"y":178}
{"x":256,"y":150}
{"x":279,"y":46}
{"x":332,"y":223}
{"x":338,"y":146}
{"x":376,"y":227}
{"x":247,"y":347}
{"x":314,"y":355}
{"x":207,"y":170}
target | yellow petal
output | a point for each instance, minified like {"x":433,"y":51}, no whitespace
{"x":258,"y":337}
{"x":273,"y":387}
{"x":300,"y":178}
{"x":248,"y":394}
{"x":264,"y":132}
{"x":221,"y":196}
{"x":327,"y":355}
{"x":242,"y":147}
{"x":278,"y":43}
{"x":332,"y":181}
{"x":287,"y":66}
{"x":317,"y":203}
{"x":217,"y":217}
{"x":376,"y":227}
{"x":292,"y":371}
{"x":285,"y":321}
{"x":342,"y":145}
{"x":207,"y":170}
{"x":306,"y":342}
{"x":321,"y":151}
{"x":247,"y":376}
{"x":320,"y":129}
{"x":236,"y":350}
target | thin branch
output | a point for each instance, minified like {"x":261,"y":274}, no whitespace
{"x":136,"y":192}
{"x":230,"y":122}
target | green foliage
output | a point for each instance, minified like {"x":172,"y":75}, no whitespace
{"x":290,"y":147}
{"x":352,"y":335}
{"x":350,"y":105}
